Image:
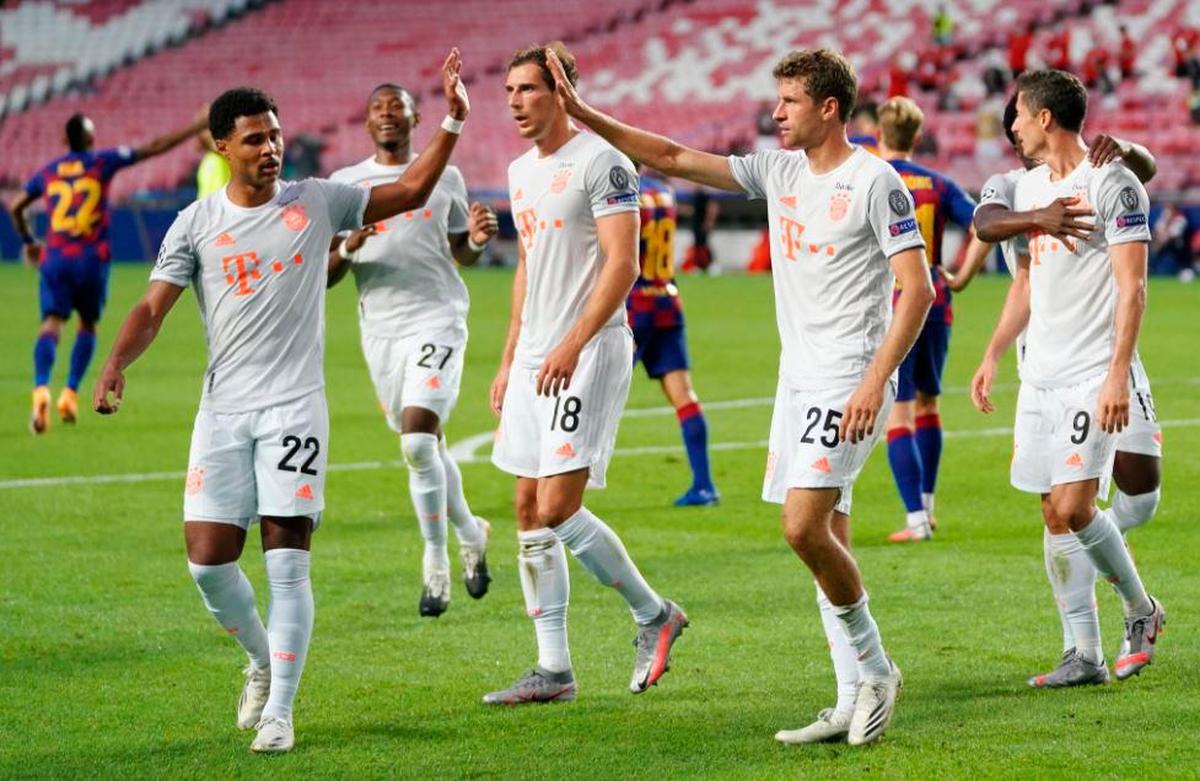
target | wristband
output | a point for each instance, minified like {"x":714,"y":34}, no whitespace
{"x":452,"y":125}
{"x":344,"y":255}
{"x":473,"y":246}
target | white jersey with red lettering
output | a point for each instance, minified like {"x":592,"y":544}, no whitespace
{"x":407,"y":280}
{"x":259,"y":277}
{"x":1072,"y":291}
{"x":831,"y":237}
{"x":556,"y":201}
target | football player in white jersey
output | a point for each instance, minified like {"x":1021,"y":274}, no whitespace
{"x":255,"y":254}
{"x":1137,"y":464}
{"x":564,"y":376}
{"x":1082,"y":299}
{"x":412,"y":308}
{"x":842,"y":229}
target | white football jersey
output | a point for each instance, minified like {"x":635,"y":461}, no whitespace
{"x":407,"y":280}
{"x":1072,"y":292}
{"x":1002,"y":189}
{"x":831,"y":237}
{"x":259,"y":277}
{"x":556,"y":201}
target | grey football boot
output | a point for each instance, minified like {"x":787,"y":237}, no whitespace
{"x":1072,"y":670}
{"x":653,"y":643}
{"x":537,"y":685}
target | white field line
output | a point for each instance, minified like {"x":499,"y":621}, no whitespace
{"x":466,"y":451}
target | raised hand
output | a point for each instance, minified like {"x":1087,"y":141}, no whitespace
{"x":452,"y":86}
{"x":359,"y":237}
{"x":563,"y":87}
{"x":482,"y":224}
{"x":1105,"y":149}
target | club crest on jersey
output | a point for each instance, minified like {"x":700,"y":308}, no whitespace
{"x":294,"y":217}
{"x":561,"y":177}
{"x":898,"y":202}
{"x":195,"y":480}
{"x":1131,"y":219}
{"x":1129,"y":198}
{"x":839,"y":204}
{"x":904,"y":226}
{"x":987,"y":194}
{"x":618,"y":177}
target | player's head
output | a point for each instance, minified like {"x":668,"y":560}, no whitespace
{"x":79,"y":133}
{"x":817,"y":91}
{"x":1010,"y":116}
{"x":530,"y":88}
{"x":1049,"y":102}
{"x":900,"y":121}
{"x":391,"y":116}
{"x":244,"y":123}
{"x":864,"y":118}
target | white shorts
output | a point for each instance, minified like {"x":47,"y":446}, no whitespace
{"x":541,"y":436}
{"x":1057,"y":440}
{"x":424,"y":370}
{"x":1144,"y":435}
{"x":268,"y":462}
{"x":804,"y":451}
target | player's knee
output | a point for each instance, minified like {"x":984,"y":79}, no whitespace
{"x":525,"y":508}
{"x":552,"y":513}
{"x":420,"y":451}
{"x":1065,"y":514}
{"x":801,"y":534}
{"x":926,"y":404}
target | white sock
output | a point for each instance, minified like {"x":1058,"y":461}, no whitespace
{"x":545,"y":582}
{"x":1048,"y":560}
{"x":427,"y":487}
{"x":845,"y":663}
{"x":1132,"y":511}
{"x":1073,"y":580}
{"x":229,"y":596}
{"x":465,"y":526}
{"x":927,"y":500}
{"x":917,"y":520}
{"x":863,"y":634}
{"x":289,"y":626}
{"x":600,"y":551}
{"x":1106,"y":548}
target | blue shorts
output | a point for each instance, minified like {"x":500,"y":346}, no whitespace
{"x":76,"y":285}
{"x":661,"y":350}
{"x":921,"y":369}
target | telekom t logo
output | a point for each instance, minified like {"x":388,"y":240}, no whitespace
{"x":526,"y":220}
{"x":790,"y":233}
{"x":239,"y":270}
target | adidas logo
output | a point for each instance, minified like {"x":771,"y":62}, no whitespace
{"x":433,"y":383}
{"x":1158,"y":437}
{"x":305,"y":492}
{"x":519,"y":194}
{"x":788,"y":201}
{"x":566,"y":451}
{"x":1075,"y":460}
{"x":224,"y":240}
{"x":822,"y":465}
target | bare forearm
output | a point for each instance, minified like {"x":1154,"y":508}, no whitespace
{"x":461,"y":250}
{"x":912,"y":306}
{"x":170,"y":140}
{"x":137,"y":333}
{"x":514,"y":318}
{"x":1131,"y":306}
{"x":414,"y":186}
{"x":1141,"y":162}
{"x":1014,"y":318}
{"x":612,"y":288}
{"x":338,"y":266}
{"x":993,"y":225}
{"x":21,"y":224}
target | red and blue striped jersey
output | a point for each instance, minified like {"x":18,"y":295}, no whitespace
{"x":654,"y":301}
{"x":75,"y":187}
{"x":938,"y":200}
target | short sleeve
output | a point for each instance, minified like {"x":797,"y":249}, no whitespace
{"x":456,"y":189}
{"x":998,"y":189}
{"x":113,"y":160}
{"x":346,"y":203}
{"x":177,"y":257}
{"x":750,"y":172}
{"x":958,"y":205}
{"x":36,"y":185}
{"x":612,"y":184}
{"x":891,"y":212}
{"x":1122,"y":206}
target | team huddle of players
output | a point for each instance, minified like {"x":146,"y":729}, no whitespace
{"x":862,"y":310}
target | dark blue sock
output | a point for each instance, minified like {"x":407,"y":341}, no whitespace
{"x":906,"y":467}
{"x":81,"y":356}
{"x":929,"y":443}
{"x":695,"y":440}
{"x":43,"y":357}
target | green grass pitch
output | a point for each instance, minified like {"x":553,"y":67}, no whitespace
{"x":110,"y":666}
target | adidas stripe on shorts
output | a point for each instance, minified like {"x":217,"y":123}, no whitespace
{"x":804,"y":451}
{"x":541,"y":436}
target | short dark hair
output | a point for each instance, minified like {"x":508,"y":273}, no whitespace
{"x":1061,"y":93}
{"x":77,"y":137}
{"x":536,"y":55}
{"x":1010,"y":116}
{"x":826,"y":74}
{"x":234,"y":103}
{"x":866,"y":108}
{"x":391,"y":87}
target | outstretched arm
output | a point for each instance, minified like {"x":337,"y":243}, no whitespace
{"x":657,"y":152}
{"x":413,"y":187}
{"x":137,"y":333}
{"x":171,"y":140}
